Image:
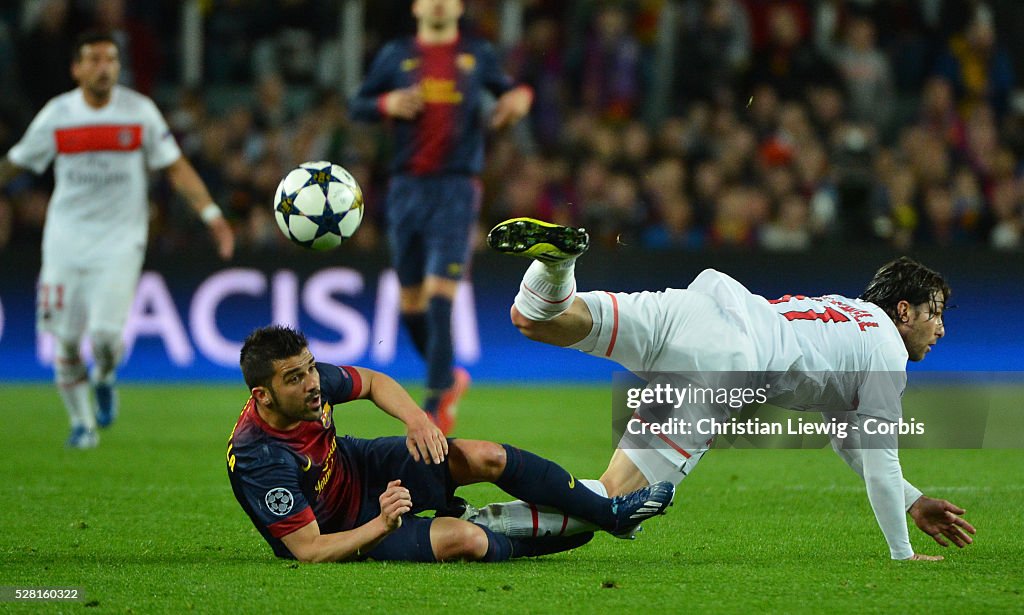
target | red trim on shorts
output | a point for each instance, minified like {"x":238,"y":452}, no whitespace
{"x":562,"y":300}
{"x":615,"y":324}
{"x":663,"y":437}
{"x":110,"y":138}
{"x":293,"y":523}
{"x":565,"y":522}
{"x":533,"y":513}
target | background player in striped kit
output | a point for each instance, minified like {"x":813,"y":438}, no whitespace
{"x":103,"y":139}
{"x":431,"y":87}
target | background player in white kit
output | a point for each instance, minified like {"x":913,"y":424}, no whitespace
{"x":104,"y":139}
{"x":841,"y":356}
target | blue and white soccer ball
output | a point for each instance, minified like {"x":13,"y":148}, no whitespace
{"x":318,"y":205}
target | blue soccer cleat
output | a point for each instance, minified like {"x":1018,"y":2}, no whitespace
{"x":82,"y":438}
{"x":106,"y":404}
{"x":633,"y":508}
{"x":542,"y":241}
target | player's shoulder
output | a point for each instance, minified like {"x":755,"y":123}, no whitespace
{"x":476,"y":45}
{"x":62,"y":105}
{"x":252,"y":447}
{"x":338,"y":383}
{"x":397,"y":48}
{"x":127,"y":97}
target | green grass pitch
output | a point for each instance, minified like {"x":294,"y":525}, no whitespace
{"x":147,"y":523}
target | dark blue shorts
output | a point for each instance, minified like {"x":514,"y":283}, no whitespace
{"x":382,"y":460}
{"x":430,"y":225}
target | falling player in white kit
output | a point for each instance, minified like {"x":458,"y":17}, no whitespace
{"x":103,"y":140}
{"x":844,"y":357}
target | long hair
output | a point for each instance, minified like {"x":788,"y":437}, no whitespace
{"x":904,"y":279}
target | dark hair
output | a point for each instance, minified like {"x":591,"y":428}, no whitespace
{"x":264,"y":346}
{"x":904,"y":279}
{"x":91,"y":37}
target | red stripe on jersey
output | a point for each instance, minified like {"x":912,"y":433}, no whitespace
{"x":533,"y":513}
{"x":111,"y":138}
{"x":293,"y":523}
{"x":565,"y":522}
{"x":615,"y":324}
{"x":435,"y":126}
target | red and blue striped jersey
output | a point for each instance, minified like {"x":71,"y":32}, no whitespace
{"x":447,"y":137}
{"x":286,"y":479}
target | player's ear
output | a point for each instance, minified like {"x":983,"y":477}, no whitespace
{"x":263,"y":397}
{"x":903,"y":312}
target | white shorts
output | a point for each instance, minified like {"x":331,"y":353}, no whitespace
{"x":675,"y":332}
{"x":95,"y":299}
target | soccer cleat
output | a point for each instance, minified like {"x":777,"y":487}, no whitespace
{"x":448,"y":405}
{"x":542,"y":241}
{"x":106,"y":404}
{"x":633,"y":508}
{"x":82,"y":438}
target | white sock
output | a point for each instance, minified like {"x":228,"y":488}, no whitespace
{"x":547,"y":289}
{"x":76,"y":392}
{"x":521,"y":519}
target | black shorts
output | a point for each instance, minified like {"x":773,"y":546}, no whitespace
{"x":382,"y":460}
{"x":430,"y":225}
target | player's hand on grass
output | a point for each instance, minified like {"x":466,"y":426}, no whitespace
{"x":404,"y":103}
{"x":919,"y":557}
{"x":223,"y":236}
{"x":425,"y":441}
{"x":941,"y":520}
{"x":394,"y":502}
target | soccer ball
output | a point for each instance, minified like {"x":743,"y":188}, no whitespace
{"x":318,"y":205}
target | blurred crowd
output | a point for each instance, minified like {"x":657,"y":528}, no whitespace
{"x":693,"y":124}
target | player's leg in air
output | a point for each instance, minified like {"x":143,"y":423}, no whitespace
{"x":61,"y":312}
{"x":430,"y":228}
{"x":519,"y":473}
{"x":617,"y":326}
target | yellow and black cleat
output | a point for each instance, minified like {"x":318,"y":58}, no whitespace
{"x":543,"y":241}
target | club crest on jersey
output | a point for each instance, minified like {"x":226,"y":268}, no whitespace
{"x":280,"y":501}
{"x":125,"y":137}
{"x":409,"y":64}
{"x":327,"y":415}
{"x":466,"y":62}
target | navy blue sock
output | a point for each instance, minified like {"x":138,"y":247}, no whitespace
{"x":440,"y":351}
{"x":539,"y":481}
{"x":416,"y":325}
{"x":499,"y":547}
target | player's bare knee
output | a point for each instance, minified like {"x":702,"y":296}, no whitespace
{"x":527,"y":327}
{"x":455,"y":539}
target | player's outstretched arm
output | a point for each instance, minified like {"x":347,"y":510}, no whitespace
{"x":941,"y":520}
{"x":188,"y":184}
{"x":425,"y":441}
{"x":307,"y":544}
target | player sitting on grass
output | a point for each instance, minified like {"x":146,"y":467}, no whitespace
{"x":844,"y":357}
{"x":317,"y":497}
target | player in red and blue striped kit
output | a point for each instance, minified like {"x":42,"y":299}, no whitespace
{"x":317,"y":497}
{"x":431,"y":88}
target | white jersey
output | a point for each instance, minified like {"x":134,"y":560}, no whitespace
{"x":830,"y":353}
{"x":99,"y":207}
